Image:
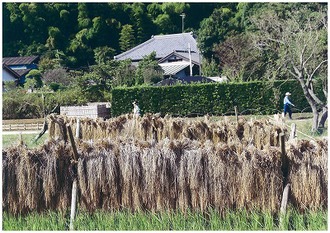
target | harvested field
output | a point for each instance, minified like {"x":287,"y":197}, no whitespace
{"x":189,"y":165}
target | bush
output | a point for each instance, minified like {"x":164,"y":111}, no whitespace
{"x":18,"y":104}
{"x":215,"y":98}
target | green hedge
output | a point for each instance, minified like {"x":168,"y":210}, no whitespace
{"x":214,"y":99}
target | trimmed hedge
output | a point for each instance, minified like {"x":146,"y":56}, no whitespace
{"x":214,"y":99}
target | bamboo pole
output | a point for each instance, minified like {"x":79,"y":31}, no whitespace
{"x":236,"y":113}
{"x":293,"y":131}
{"x":284,"y":203}
{"x":73,"y":204}
{"x":283,"y":156}
{"x":78,"y":128}
{"x":74,"y":184}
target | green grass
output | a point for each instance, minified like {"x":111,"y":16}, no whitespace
{"x":124,"y":220}
{"x":28,"y":139}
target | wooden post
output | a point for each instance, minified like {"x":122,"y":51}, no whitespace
{"x":284,"y":203}
{"x":74,"y":184}
{"x":283,"y":157}
{"x":73,"y":204}
{"x":293,"y":131}
{"x":236,"y":113}
{"x":20,"y":138}
{"x":78,"y":128}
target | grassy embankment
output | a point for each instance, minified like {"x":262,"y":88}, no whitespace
{"x":124,"y":220}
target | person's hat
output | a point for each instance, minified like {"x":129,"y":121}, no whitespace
{"x":288,"y":93}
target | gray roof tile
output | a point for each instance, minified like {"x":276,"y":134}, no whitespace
{"x":162,"y":45}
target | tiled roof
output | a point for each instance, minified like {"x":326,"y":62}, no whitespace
{"x":162,"y":45}
{"x":9,"y":61}
{"x":193,"y":79}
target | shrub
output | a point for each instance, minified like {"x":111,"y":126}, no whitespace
{"x":215,"y":98}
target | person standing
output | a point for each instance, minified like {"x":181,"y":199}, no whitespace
{"x":136,"y":109}
{"x":287,"y":104}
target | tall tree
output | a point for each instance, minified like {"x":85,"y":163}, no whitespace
{"x":126,"y":40}
{"x":215,"y":29}
{"x":301,"y":40}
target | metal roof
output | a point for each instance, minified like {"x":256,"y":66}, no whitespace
{"x":10,"y":61}
{"x":173,"y":68}
{"x":162,"y":45}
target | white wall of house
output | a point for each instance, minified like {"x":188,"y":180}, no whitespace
{"x":6,"y":76}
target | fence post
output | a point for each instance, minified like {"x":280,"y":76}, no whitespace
{"x":284,"y":203}
{"x":20,"y":138}
{"x":78,"y":128}
{"x":236,"y":113}
{"x":293,"y":131}
{"x":74,"y":184}
{"x":285,"y":170}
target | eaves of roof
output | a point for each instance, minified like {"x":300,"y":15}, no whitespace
{"x":15,"y":74}
{"x":173,"y":68}
{"x":9,"y":61}
{"x":183,"y":55}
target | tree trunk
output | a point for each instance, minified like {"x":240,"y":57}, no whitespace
{"x":315,"y":119}
{"x":324,"y":117}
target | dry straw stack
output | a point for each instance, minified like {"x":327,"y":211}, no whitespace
{"x":195,"y":165}
{"x":36,"y":179}
{"x":258,"y":133}
{"x":308,"y":174}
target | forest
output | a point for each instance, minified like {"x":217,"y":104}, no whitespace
{"x":77,"y":35}
{"x":244,"y":41}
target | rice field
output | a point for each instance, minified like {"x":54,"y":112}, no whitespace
{"x":178,"y":221}
{"x":147,"y":168}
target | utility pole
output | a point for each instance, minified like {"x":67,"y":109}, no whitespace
{"x":183,"y":15}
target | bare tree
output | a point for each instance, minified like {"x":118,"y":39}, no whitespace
{"x":300,"y":38}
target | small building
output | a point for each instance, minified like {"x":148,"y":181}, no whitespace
{"x":16,"y":68}
{"x":92,"y":110}
{"x":177,"y":54}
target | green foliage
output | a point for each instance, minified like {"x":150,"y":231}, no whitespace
{"x":171,"y":220}
{"x":78,"y":29}
{"x":210,"y":68}
{"x":216,"y":29}
{"x":218,"y":99}
{"x":148,"y":70}
{"x":103,"y":54}
{"x":126,"y":40}
{"x":10,"y":85}
{"x":18,"y":104}
{"x":33,"y":79}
